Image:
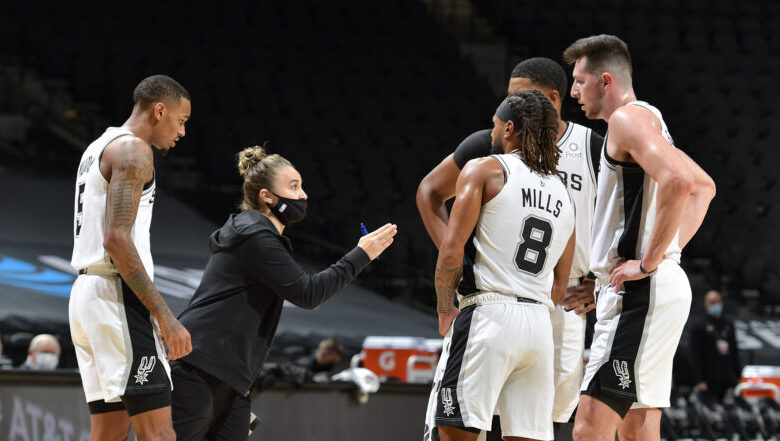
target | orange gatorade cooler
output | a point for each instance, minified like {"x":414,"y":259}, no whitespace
{"x":410,"y":359}
{"x":759,"y":382}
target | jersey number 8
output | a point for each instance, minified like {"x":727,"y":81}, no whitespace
{"x":532,"y":251}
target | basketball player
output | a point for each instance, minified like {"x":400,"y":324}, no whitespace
{"x":515,"y":210}
{"x":116,"y":314}
{"x":651,"y":200}
{"x":581,"y":148}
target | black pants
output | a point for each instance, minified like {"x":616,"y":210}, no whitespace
{"x":205,"y":408}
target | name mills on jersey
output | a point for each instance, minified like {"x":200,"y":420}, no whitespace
{"x":536,"y":198}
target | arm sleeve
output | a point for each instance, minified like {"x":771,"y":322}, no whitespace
{"x":265,"y":258}
{"x":476,"y":145}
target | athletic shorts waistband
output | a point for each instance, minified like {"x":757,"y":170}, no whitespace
{"x":99,"y":269}
{"x":575,"y":281}
{"x":491,"y":298}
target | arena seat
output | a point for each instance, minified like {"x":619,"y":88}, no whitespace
{"x":716,"y":90}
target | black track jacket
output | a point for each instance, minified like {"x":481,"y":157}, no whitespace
{"x":233,"y":315}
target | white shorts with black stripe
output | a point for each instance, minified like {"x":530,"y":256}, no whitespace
{"x":569,"y":339}
{"x":635,"y":339}
{"x":117,"y":347}
{"x":499,"y":357}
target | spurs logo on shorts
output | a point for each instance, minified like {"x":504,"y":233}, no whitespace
{"x":446,"y":401}
{"x":144,"y":368}
{"x":621,"y":370}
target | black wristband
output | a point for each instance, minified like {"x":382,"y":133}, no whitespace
{"x":646,"y":272}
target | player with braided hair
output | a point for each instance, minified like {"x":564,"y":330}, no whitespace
{"x":515,"y":210}
{"x":580,"y":148}
{"x":538,"y":129}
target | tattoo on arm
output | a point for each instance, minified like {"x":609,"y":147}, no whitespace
{"x":446,"y":281}
{"x":132,"y":169}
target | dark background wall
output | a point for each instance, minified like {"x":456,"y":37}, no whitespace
{"x":366,"y":97}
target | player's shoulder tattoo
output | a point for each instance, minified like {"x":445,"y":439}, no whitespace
{"x":135,"y":158}
{"x":134,"y":166}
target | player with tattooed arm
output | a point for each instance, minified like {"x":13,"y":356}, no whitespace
{"x":116,"y":315}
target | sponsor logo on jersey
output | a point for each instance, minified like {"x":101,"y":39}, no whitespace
{"x":572,"y":151}
{"x":446,"y":401}
{"x":145,"y":368}
{"x":621,"y":370}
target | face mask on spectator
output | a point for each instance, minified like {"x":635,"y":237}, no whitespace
{"x":715,"y":309}
{"x":43,"y":361}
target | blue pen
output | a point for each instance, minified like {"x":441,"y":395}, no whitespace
{"x":364,"y":231}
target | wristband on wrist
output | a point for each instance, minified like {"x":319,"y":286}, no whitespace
{"x":646,"y":272}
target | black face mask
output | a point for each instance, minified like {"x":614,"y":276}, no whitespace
{"x":289,"y":211}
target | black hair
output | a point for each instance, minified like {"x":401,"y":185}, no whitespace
{"x":545,"y":72}
{"x":158,"y":88}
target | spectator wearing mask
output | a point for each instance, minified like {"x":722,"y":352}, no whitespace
{"x":714,"y":347}
{"x":43,"y":353}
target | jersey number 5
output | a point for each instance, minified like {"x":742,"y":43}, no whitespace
{"x":532,"y":251}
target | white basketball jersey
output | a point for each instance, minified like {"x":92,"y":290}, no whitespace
{"x":90,"y":209}
{"x":625,"y":210}
{"x":577,"y":168}
{"x":520,"y":235}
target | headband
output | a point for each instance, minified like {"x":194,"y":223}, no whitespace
{"x":504,"y":113}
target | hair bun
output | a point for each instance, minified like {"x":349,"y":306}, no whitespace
{"x":249,"y":157}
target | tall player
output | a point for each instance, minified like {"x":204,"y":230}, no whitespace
{"x":651,"y":200}
{"x":114,"y":307}
{"x":581,"y":148}
{"x":515,"y":210}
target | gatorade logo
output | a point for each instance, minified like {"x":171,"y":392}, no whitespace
{"x":387,"y":360}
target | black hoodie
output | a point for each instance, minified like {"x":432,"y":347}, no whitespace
{"x":233,"y":315}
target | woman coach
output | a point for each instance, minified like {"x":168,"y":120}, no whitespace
{"x":233,"y":315}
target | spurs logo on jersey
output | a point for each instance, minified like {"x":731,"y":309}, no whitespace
{"x":90,"y":208}
{"x":625,"y":210}
{"x":521,"y":234}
